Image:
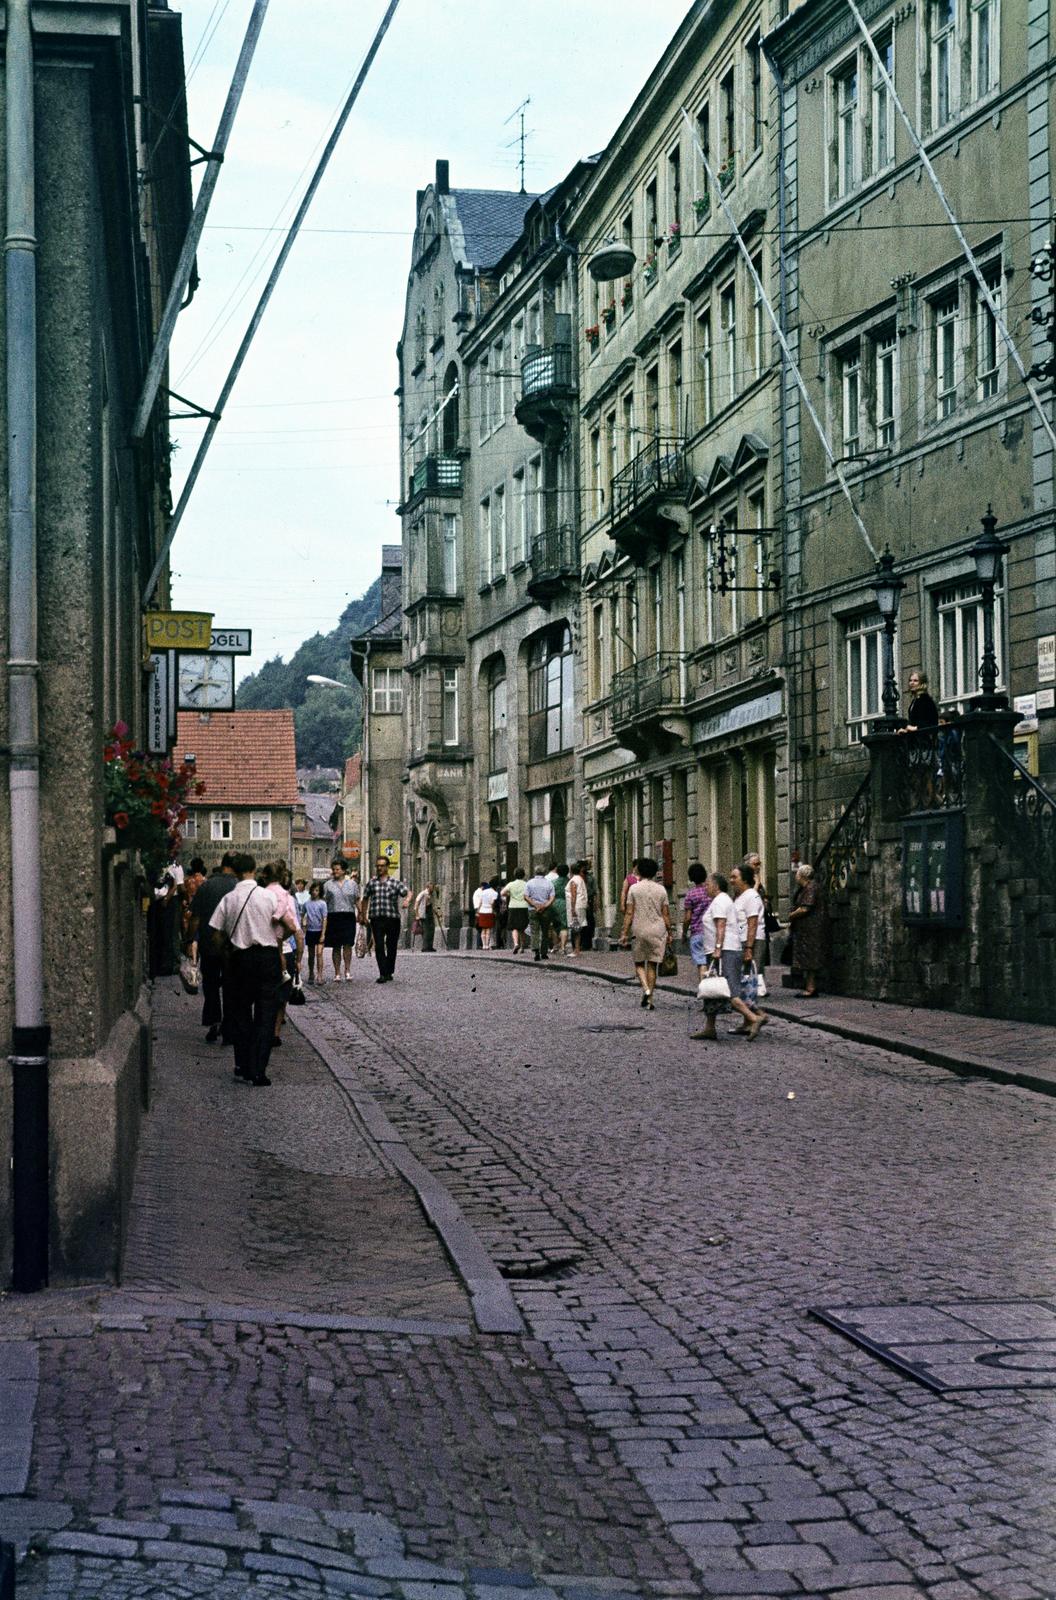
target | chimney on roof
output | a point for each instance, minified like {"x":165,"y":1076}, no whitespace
{"x":443,"y":177}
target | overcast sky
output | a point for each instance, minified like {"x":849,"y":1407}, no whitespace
{"x":298,"y":495}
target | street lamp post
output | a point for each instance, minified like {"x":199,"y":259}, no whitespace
{"x":887,"y":587}
{"x":988,"y":553}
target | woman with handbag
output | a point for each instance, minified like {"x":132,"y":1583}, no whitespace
{"x":724,"y":949}
{"x":649,"y":914}
{"x":806,"y":922}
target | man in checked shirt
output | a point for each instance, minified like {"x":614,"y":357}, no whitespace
{"x":381,"y":902}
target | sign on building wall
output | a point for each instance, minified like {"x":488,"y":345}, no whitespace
{"x":390,"y":849}
{"x":158,"y":705}
{"x":177,"y":630}
{"x":1047,"y":658}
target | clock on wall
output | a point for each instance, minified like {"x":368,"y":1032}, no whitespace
{"x":206,"y":683}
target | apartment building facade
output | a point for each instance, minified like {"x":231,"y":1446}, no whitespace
{"x":684,"y":752}
{"x":906,"y":364}
{"x":460,"y":235}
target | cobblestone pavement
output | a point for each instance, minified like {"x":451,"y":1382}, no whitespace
{"x":288,"y":1393}
{"x":671,"y":1212}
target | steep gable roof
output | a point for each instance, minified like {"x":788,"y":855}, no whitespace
{"x":491,"y":220}
{"x":244,"y":758}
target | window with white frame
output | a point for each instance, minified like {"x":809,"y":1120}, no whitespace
{"x":387,"y":690}
{"x":449,"y":552}
{"x":944,"y":353}
{"x":959,"y":617}
{"x":985,"y":36}
{"x":539,"y":822}
{"x":864,"y":660}
{"x":260,"y":824}
{"x":220,"y":825}
{"x":881,"y":121}
{"x":987,"y":338}
{"x":885,"y":387}
{"x":757,"y":336}
{"x":550,"y":699}
{"x":484,"y":539}
{"x":190,"y":826}
{"x":851,"y":400}
{"x":943,"y":63}
{"x":484,"y":396}
{"x":728,"y":310}
{"x":705,"y":375}
{"x":449,"y":708}
{"x":846,"y":170}
{"x":498,"y":531}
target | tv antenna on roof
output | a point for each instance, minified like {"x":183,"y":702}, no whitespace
{"x":522,"y":136}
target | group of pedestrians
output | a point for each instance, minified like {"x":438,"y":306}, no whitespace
{"x":550,"y":913}
{"x":725,"y":919}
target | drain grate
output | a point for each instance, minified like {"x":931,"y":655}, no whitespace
{"x":964,"y":1344}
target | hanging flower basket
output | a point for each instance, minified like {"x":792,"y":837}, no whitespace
{"x":145,"y":800}
{"x":593,"y":334}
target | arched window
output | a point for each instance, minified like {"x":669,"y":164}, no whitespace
{"x":497,"y":718}
{"x":550,"y":700}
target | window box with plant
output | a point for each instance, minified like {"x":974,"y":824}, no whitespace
{"x":674,"y":238}
{"x":728,"y":171}
{"x":145,"y":800}
{"x":609,"y":315}
{"x":650,"y":270}
{"x":702,"y":207}
{"x":592,"y":335}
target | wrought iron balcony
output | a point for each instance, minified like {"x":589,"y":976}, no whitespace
{"x":656,"y":476}
{"x":554,"y":561}
{"x":435,"y":474}
{"x":548,"y":390}
{"x":647,"y":700}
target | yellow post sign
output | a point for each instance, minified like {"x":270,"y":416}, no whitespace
{"x":390,"y":849}
{"x":177,"y":630}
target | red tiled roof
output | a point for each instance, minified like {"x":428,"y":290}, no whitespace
{"x":244,"y":758}
{"x":353,"y":770}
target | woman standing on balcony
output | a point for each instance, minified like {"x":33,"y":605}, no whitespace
{"x":922,"y":712}
{"x":807,"y":923}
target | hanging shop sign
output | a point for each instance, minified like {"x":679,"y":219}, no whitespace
{"x":231,"y":641}
{"x":390,"y":849}
{"x":158,"y":705}
{"x":177,"y":630}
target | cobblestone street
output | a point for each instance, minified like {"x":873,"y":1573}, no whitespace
{"x":298,"y":1388}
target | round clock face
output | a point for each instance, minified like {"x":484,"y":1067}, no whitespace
{"x":206,"y":682}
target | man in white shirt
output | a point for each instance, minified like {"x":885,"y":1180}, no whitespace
{"x":724,"y":944}
{"x":250,"y":921}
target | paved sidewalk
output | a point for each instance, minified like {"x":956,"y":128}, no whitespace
{"x":1022,"y":1053}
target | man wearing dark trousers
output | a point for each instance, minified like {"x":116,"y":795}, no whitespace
{"x":205,"y":902}
{"x":250,"y":918}
{"x":381,"y":902}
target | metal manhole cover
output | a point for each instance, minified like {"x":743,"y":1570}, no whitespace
{"x":963,"y":1344}
{"x":613,"y":1027}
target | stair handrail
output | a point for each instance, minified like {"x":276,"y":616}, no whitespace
{"x":842,"y":822}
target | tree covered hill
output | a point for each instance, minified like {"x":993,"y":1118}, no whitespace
{"x":328,"y":721}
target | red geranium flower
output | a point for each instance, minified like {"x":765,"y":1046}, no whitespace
{"x":158,"y":808}
{"x":120,"y":819}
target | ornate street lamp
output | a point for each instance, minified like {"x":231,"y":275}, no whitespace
{"x":988,"y":551}
{"x":887,"y":587}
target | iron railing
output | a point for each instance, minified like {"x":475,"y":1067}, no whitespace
{"x":931,"y":769}
{"x":543,"y":370}
{"x":555,"y":553}
{"x":839,"y":858}
{"x":652,"y":686}
{"x":434,"y":473}
{"x":658,"y":469}
{"x":1031,"y":819}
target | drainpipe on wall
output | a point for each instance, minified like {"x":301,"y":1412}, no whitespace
{"x":30,"y":1037}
